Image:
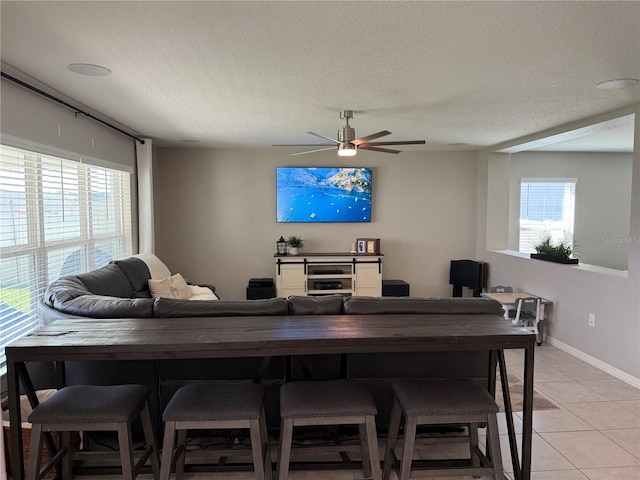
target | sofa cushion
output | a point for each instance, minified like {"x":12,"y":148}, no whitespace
{"x":108,"y":280}
{"x":417,"y":305}
{"x":169,"y":307}
{"x":137,"y":273}
{"x":322,"y":305}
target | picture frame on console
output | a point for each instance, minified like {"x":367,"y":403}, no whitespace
{"x":368,"y":246}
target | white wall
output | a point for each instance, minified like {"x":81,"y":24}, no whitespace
{"x":32,"y":117}
{"x":613,"y":296}
{"x":215,"y":214}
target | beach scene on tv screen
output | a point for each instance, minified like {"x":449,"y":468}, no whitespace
{"x":323,"y":194}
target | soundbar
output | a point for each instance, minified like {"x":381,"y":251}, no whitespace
{"x":327,"y":285}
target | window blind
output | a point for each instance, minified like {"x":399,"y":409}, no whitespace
{"x":57,"y":217}
{"x":547,"y":209}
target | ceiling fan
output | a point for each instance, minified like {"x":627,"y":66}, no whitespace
{"x":348,"y":144}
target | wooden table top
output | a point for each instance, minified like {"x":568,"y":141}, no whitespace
{"x":209,"y":337}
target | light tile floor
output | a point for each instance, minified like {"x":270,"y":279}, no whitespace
{"x":594,"y":434}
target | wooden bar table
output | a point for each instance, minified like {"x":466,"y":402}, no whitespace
{"x":260,"y":336}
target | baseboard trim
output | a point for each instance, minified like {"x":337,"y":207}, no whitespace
{"x":594,"y":362}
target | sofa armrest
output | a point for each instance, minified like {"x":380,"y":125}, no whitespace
{"x":102,"y":306}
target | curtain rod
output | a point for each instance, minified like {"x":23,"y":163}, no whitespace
{"x":62,"y":102}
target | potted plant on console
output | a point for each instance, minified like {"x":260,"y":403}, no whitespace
{"x":294,"y":243}
{"x":560,"y":253}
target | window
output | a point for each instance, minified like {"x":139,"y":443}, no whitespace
{"x":547,"y":208}
{"x":57,"y":217}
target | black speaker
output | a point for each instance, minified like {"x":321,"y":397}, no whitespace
{"x":259,"y":288}
{"x":256,"y":293}
{"x":395,"y":288}
{"x":468,"y":273}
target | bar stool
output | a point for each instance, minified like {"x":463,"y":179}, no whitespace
{"x":433,"y":402}
{"x":215,"y":406}
{"x":93,"y":408}
{"x":331,"y":402}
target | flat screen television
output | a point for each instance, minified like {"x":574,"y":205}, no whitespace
{"x":323,"y":194}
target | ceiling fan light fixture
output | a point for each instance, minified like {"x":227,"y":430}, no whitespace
{"x":347,"y":150}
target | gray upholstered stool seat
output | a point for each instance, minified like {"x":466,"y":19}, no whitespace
{"x":433,"y":402}
{"x":331,"y":402}
{"x":93,"y":408}
{"x":215,"y":406}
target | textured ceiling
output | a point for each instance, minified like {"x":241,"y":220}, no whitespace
{"x":251,"y":74}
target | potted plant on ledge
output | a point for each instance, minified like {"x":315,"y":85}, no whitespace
{"x":294,"y":243}
{"x":560,"y":253}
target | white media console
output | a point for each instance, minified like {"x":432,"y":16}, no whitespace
{"x":327,"y":273}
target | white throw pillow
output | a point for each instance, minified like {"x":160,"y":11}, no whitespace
{"x":202,"y":293}
{"x":173,"y":286}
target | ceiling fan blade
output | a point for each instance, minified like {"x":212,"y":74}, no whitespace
{"x":326,"y":138}
{"x":361,"y":140}
{"x":402,"y":142}
{"x":302,"y":145}
{"x":377,"y":149}
{"x":313,"y":151}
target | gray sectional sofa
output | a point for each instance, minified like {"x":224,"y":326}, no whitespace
{"x":120,"y":290}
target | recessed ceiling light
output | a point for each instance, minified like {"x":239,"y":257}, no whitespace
{"x":617,"y":83}
{"x":89,"y":70}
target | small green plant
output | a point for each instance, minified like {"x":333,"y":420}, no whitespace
{"x":561,"y":250}
{"x":295,"y":241}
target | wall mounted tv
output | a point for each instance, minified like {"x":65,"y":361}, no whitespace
{"x":323,"y":194}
